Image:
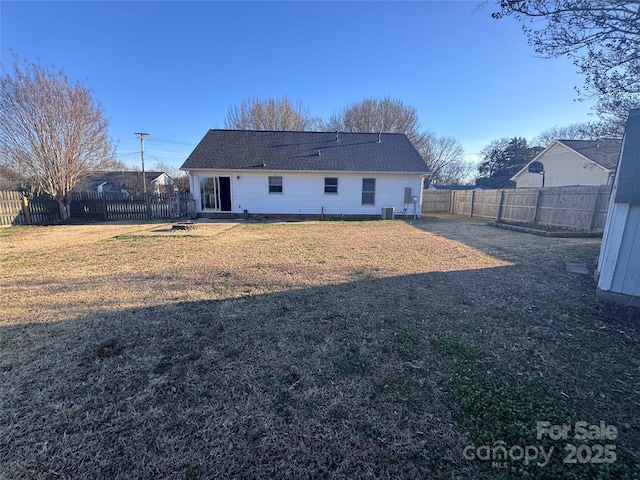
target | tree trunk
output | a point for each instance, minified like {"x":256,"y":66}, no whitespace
{"x":64,"y":208}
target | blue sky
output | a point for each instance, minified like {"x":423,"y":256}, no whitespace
{"x":173,"y":69}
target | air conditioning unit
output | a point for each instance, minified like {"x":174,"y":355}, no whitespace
{"x":388,"y":213}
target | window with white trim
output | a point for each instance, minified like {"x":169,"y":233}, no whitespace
{"x":330,"y":185}
{"x":275,"y":184}
{"x":368,"y":191}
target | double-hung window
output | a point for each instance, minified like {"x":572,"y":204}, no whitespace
{"x":275,"y":184}
{"x":368,"y":191}
{"x":330,"y":185}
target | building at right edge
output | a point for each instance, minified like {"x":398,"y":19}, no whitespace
{"x":619,"y":262}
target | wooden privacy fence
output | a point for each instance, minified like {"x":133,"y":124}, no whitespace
{"x":116,"y":206}
{"x":579,"y":207}
{"x":16,"y":209}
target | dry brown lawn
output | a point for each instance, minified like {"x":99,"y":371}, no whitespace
{"x":294,"y":350}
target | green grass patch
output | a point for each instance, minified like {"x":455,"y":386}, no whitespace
{"x":501,"y":415}
{"x":351,"y":361}
{"x":192,"y":472}
{"x":405,"y":391}
{"x":454,"y":347}
{"x":314,"y":338}
{"x":164,"y":365}
{"x":408,"y":345}
{"x":577,"y":309}
{"x":9,"y":231}
{"x":368,"y":431}
{"x":314,"y":245}
{"x":337,"y":414}
{"x":509,"y":315}
{"x":280,"y":387}
{"x":130,"y":237}
{"x":24,"y":263}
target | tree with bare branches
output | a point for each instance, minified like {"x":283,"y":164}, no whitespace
{"x":460,"y":172}
{"x":52,"y":130}
{"x":601,"y":37}
{"x":574,"y":131}
{"x":388,"y":115}
{"x":444,"y":155}
{"x":277,"y":114}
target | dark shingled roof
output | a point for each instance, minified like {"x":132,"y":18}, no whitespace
{"x":628,"y":190}
{"x":604,"y":152}
{"x":92,"y":182}
{"x":317,"y":151}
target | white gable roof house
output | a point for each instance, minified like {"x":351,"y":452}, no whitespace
{"x":236,"y":173}
{"x":619,"y":261}
{"x":573,"y":162}
{"x":125,"y":182}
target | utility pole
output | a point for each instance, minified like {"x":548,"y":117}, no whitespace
{"x":142,"y":137}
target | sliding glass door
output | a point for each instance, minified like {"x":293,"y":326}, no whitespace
{"x":215,"y":194}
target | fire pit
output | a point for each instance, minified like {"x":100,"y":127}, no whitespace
{"x":184,"y":226}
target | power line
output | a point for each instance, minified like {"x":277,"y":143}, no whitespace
{"x":178,"y":142}
{"x":127,"y":154}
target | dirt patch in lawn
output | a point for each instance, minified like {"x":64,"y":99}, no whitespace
{"x":309,"y":350}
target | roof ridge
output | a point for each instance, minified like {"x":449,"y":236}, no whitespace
{"x":342,"y":132}
{"x":306,"y":150}
{"x":596,"y":140}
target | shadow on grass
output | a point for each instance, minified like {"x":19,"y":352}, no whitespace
{"x":365,"y":379}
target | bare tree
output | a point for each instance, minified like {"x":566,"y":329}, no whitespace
{"x":460,"y":172}
{"x":371,"y":116}
{"x":600,"y":36}
{"x":179,"y":178}
{"x":444,"y":155}
{"x":390,"y":115}
{"x":575,"y":131}
{"x":10,"y":179}
{"x":52,"y":129}
{"x":269,"y":114}
{"x":613,"y":111}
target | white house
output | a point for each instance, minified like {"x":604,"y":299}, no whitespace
{"x":125,"y":182}
{"x":619,"y":261}
{"x":573,"y":162}
{"x":332,"y":174}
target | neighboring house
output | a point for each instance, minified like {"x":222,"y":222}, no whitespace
{"x":126,"y":182}
{"x":619,"y":261}
{"x":573,"y":162}
{"x":330,"y":174}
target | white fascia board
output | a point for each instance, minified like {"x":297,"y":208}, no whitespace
{"x":200,"y":171}
{"x":526,"y":167}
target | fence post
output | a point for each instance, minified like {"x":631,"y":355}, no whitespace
{"x":473,"y":196}
{"x":452,"y":202}
{"x":535,"y":210}
{"x":500,"y":205}
{"x":25,"y":210}
{"x":147,"y":199}
{"x":105,"y":209}
{"x":594,"y":210}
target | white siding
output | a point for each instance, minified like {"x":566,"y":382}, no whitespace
{"x":564,"y":167}
{"x":303,"y":192}
{"x":626,"y":278}
{"x":619,"y":264}
{"x":619,"y":261}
